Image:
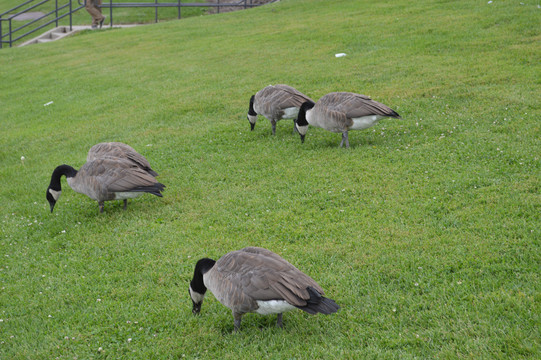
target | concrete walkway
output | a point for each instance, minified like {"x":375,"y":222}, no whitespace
{"x":29,"y":16}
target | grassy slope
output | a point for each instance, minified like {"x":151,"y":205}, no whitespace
{"x":426,"y":231}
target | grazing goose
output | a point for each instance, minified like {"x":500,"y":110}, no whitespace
{"x":118,"y":150}
{"x":104,"y":180}
{"x":257,"y":280}
{"x":340,"y":112}
{"x":276,"y":103}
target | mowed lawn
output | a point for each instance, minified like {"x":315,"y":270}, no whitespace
{"x":426,"y":231}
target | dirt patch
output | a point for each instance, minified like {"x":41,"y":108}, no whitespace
{"x":214,"y":10}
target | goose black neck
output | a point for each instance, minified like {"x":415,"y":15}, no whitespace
{"x":201,"y":268}
{"x":301,"y":118}
{"x":251,"y":110}
{"x":65,"y":170}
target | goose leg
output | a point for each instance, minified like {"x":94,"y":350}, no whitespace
{"x":279,"y":321}
{"x":125,"y":204}
{"x":345,"y":139}
{"x":273,"y":123}
{"x":237,"y":321}
{"x":101,"y":206}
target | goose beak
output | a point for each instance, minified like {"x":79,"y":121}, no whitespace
{"x":252,"y":126}
{"x":196,"y":308}
{"x":302,"y":138}
{"x":52,"y":206}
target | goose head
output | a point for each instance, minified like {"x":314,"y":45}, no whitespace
{"x":301,"y":124}
{"x":197,"y":288}
{"x":252,"y":115}
{"x":55,"y":189}
{"x":52,"y":196}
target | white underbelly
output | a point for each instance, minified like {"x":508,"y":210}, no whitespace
{"x":290,"y":113}
{"x":127,"y":195}
{"x":273,"y":307}
{"x":365,"y":122}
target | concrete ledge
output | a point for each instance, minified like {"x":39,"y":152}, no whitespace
{"x":63,"y":31}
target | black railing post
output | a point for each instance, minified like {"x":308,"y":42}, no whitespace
{"x":10,"y":39}
{"x":10,"y":34}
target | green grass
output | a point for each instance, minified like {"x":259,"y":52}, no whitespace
{"x":425,"y":231}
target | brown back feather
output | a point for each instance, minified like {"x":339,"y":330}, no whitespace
{"x":241,"y":277}
{"x":119,"y":151}
{"x":272,"y":100}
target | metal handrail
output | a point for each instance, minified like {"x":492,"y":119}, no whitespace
{"x":9,"y":19}
{"x":156,"y":5}
{"x":179,"y":4}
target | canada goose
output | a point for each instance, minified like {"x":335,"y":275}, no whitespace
{"x":340,"y":112}
{"x":276,"y":103}
{"x":118,"y":150}
{"x":104,"y":180}
{"x":257,"y":280}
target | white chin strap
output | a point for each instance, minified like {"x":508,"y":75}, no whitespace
{"x":55,"y":194}
{"x":252,"y":118}
{"x":302,"y":129}
{"x":196,"y":297}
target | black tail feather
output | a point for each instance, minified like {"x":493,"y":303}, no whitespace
{"x":153,"y":189}
{"x":319,"y":304}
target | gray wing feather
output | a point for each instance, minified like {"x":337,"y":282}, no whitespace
{"x":272,"y":100}
{"x":100,"y":178}
{"x":244,"y":276}
{"x":355,"y":105}
{"x":119,"y":151}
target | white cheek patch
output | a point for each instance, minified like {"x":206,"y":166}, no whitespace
{"x":252,"y":118}
{"x":302,"y":129}
{"x":196,"y":297}
{"x":55,"y":194}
